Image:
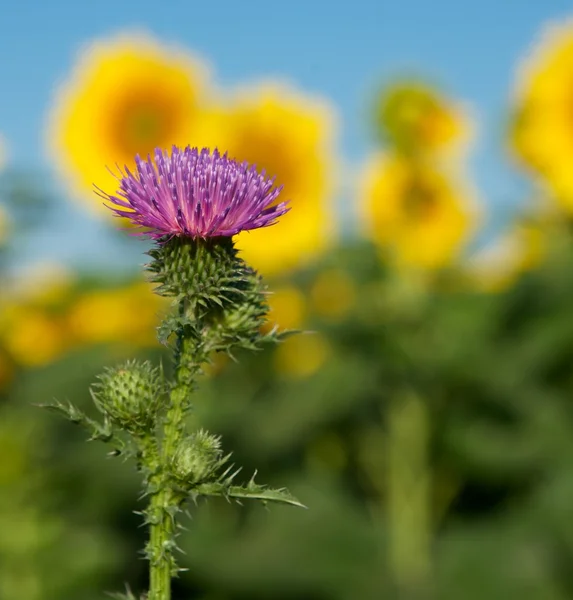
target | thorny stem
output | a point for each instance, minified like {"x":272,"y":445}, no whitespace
{"x":163,"y":506}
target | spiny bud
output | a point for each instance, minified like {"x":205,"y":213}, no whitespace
{"x":131,"y":395}
{"x":197,"y":459}
{"x":224,"y":299}
{"x":205,"y":271}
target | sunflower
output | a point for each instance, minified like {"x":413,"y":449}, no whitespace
{"x":33,"y":337}
{"x":416,"y":118}
{"x":287,"y":308}
{"x":416,"y":212}
{"x":541,"y":134}
{"x":301,"y":355}
{"x":126,"y":95}
{"x":127,"y":314}
{"x":290,"y":137}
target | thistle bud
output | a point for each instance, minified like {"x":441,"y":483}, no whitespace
{"x":197,"y":459}
{"x":207,"y":271}
{"x":130,"y":395}
{"x":219,"y":289}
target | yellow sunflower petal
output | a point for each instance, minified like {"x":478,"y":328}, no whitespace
{"x":126,"y":95}
{"x":541,"y":134}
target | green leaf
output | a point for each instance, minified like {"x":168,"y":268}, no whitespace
{"x":98,"y":431}
{"x":252,"y":491}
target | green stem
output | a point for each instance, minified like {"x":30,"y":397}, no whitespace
{"x":160,"y":531}
{"x":163,"y":506}
{"x":409,"y":502}
{"x":161,"y":559}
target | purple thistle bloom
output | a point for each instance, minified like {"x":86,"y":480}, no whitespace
{"x":193,"y":193}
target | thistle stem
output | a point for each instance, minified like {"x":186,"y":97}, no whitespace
{"x":163,"y":506}
{"x":161,"y":533}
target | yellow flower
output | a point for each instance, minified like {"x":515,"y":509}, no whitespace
{"x":497,"y":267}
{"x":33,"y":338}
{"x":290,"y":136}
{"x":333,"y":294}
{"x":417,"y":213}
{"x":127,"y":315}
{"x":287,"y":308}
{"x":301,"y":355}
{"x":418,"y":118}
{"x":126,"y":95}
{"x":542,"y":128}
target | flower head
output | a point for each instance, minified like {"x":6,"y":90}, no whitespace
{"x":197,"y":194}
{"x":420,"y":214}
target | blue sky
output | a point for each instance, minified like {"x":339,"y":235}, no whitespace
{"x":339,"y":50}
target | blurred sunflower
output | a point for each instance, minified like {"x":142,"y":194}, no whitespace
{"x":33,"y":337}
{"x":129,"y":314}
{"x":126,"y":95}
{"x":417,"y":213}
{"x":291,"y":137}
{"x":541,"y":133}
{"x":301,"y":355}
{"x":413,"y":117}
{"x":31,"y":328}
{"x":287,"y":308}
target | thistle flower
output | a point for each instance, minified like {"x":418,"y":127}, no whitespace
{"x":191,"y":202}
{"x":194,"y":193}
